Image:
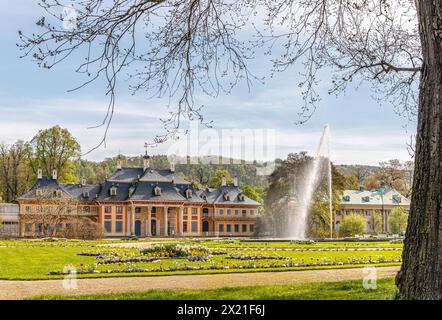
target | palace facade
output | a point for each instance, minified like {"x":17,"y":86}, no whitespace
{"x":143,"y":202}
{"x":367,"y":202}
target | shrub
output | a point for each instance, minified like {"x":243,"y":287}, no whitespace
{"x":397,"y":220}
{"x":352,"y":224}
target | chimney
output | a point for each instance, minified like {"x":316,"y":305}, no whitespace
{"x":172,"y":167}
{"x":223,"y":182}
{"x":54,"y":174}
{"x":39,"y":174}
{"x":119,"y":166}
{"x":235,"y":181}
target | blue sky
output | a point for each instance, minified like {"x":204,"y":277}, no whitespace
{"x":31,"y":99}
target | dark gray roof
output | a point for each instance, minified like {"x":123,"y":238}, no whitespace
{"x":229,"y":194}
{"x":122,"y":191}
{"x":135,"y":184}
{"x":86,"y":193}
{"x":127,"y":175}
{"x":133,"y":175}
{"x":68,"y":191}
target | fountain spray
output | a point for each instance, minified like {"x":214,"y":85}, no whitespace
{"x":297,"y":224}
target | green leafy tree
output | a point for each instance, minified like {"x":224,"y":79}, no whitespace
{"x":54,"y":148}
{"x":254,"y":193}
{"x":352,"y":224}
{"x":397,"y":220}
{"x":219,"y":175}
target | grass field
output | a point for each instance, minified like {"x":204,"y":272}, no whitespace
{"x":346,"y":290}
{"x":38,"y":259}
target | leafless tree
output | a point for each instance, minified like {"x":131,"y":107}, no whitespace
{"x":394,"y":46}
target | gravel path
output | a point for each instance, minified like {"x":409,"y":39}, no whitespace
{"x":13,"y":290}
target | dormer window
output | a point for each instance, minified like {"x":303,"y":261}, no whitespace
{"x":346,"y":198}
{"x":226,"y":197}
{"x":241,"y":197}
{"x":366,"y":199}
{"x":113,"y":191}
{"x":397,"y":198}
{"x":57,"y":193}
{"x":157,"y":191}
{"x":38,"y":192}
{"x":85,"y":194}
{"x":188,"y":193}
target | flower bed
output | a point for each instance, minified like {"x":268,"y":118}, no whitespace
{"x":176,"y":251}
{"x":250,"y":265}
{"x":255,"y":257}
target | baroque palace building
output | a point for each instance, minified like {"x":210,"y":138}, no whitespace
{"x":141,"y":202}
{"x":367,"y":202}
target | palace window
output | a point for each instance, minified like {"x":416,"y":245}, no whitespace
{"x":119,"y":217}
{"x":108,"y":226}
{"x":119,"y":209}
{"x":236,"y":227}
{"x":137,"y":210}
{"x":108,"y":209}
{"x":28,"y":227}
{"x":229,"y":212}
{"x":154,"y":210}
{"x":244,"y":228}
{"x":252,"y":228}
{"x":38,"y":228}
{"x":58,"y":227}
{"x":221,"y":211}
{"x":221,"y":228}
{"x":252,"y":212}
{"x":205,"y":210}
{"x":28,"y":209}
{"x":194,"y":226}
{"x":185,"y":226}
{"x":86,"y":209}
{"x":228,"y":228}
{"x":108,"y":217}
{"x":244,"y":212}
{"x":236,"y":212}
{"x":194,"y":211}
{"x":119,"y":226}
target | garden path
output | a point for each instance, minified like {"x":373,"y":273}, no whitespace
{"x":28,"y":289}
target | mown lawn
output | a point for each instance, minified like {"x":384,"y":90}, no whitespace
{"x":346,"y":290}
{"x":32,"y":260}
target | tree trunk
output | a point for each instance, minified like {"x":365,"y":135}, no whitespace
{"x":421,"y":273}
